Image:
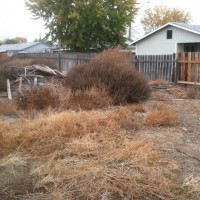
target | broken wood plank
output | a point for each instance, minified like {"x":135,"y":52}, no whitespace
{"x":189,"y":83}
{"x":45,"y":69}
{"x":20,"y":86}
{"x":60,"y":74}
{"x":35,"y":81}
{"x":9,"y":90}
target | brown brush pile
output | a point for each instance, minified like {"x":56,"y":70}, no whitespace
{"x":8,"y":67}
{"x":112,"y":71}
{"x":84,"y":155}
{"x":90,"y":99}
{"x":57,"y":98}
{"x":161,"y":115}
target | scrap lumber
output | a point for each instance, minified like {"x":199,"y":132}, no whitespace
{"x":9,"y":90}
{"x":45,"y":69}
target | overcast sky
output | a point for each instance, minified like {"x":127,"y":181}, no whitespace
{"x":16,"y":20}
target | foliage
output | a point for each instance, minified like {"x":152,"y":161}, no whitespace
{"x":15,"y":40}
{"x":160,"y":15}
{"x":85,"y":25}
{"x":112,"y":71}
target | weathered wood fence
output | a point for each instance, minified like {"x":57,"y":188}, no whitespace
{"x":156,"y":67}
{"x":180,"y":67}
{"x":63,"y":61}
{"x":188,"y":68}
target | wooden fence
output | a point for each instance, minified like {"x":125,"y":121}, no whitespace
{"x":63,"y":61}
{"x":156,"y":67}
{"x":180,"y":67}
{"x":188,"y":68}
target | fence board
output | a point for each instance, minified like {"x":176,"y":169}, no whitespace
{"x":152,"y":66}
{"x":188,"y":64}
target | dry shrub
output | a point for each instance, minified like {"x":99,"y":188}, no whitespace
{"x":61,"y":98}
{"x":93,"y":98}
{"x":112,"y":71}
{"x":39,"y":98}
{"x":8,"y":109}
{"x":162,"y":115}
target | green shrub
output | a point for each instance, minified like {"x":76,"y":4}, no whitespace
{"x":110,"y":70}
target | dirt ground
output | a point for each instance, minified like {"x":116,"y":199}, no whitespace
{"x":182,"y":142}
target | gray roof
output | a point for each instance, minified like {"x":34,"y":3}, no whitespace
{"x":18,"y":47}
{"x":188,"y":27}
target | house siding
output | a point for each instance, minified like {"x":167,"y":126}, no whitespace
{"x":38,"y":48}
{"x":158,"y":44}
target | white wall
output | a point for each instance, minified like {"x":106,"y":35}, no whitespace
{"x":158,"y":44}
{"x":38,"y":48}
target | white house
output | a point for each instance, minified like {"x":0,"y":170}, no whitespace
{"x":28,"y":47}
{"x":171,"y":38}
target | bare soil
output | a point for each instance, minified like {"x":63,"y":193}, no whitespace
{"x":182,"y":142}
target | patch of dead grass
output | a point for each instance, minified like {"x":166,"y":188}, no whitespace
{"x":157,"y":82}
{"x":86,"y":155}
{"x":161,"y":115}
{"x":8,"y":109}
{"x":90,"y":99}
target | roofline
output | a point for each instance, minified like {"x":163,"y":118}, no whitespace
{"x":168,"y":24}
{"x":35,"y":45}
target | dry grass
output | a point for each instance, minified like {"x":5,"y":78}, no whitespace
{"x":178,"y":92}
{"x":192,"y":187}
{"x":193,"y":93}
{"x":84,"y":155}
{"x":41,"y":98}
{"x":157,"y":82}
{"x":93,"y":98}
{"x":90,"y":155}
{"x":8,"y":109}
{"x":59,"y":98}
{"x":161,"y":115}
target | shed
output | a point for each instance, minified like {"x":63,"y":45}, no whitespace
{"x":171,"y":38}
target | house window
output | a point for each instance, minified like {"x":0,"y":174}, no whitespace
{"x":169,"y":34}
{"x":191,"y":47}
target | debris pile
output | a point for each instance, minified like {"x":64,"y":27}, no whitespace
{"x":29,"y":77}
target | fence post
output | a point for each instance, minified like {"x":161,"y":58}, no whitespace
{"x":59,"y":61}
{"x":176,"y":76}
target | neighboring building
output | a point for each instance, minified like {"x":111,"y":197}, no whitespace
{"x":171,"y":38}
{"x":29,"y":47}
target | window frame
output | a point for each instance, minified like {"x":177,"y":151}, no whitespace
{"x":169,"y":34}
